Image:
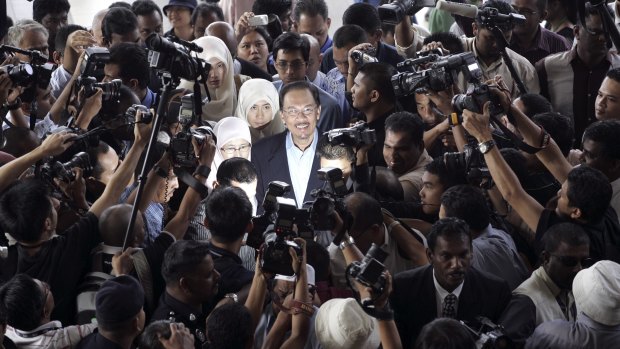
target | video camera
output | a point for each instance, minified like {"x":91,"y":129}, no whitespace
{"x":175,"y":58}
{"x":111,"y":89}
{"x":94,"y":61}
{"x":354,"y":136}
{"x":362,"y":57}
{"x":275,"y":252}
{"x":369,"y":271}
{"x":442,"y":73}
{"x":491,"y":17}
{"x":130,"y":113}
{"x":394,"y":12}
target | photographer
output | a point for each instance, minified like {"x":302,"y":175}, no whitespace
{"x":28,"y":35}
{"x":33,"y":224}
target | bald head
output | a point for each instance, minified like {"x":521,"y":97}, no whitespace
{"x":226,"y":33}
{"x":314,"y":57}
{"x":365,"y":210}
{"x":113,"y":225}
{"x":96,"y":26}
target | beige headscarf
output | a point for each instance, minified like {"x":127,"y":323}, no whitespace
{"x":223,"y":99}
{"x":256,"y":90}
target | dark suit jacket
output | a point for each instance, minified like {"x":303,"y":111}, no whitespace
{"x":414,"y":303}
{"x":269,"y":158}
{"x":252,"y":70}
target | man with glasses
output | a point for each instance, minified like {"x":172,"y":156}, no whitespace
{"x":530,"y":39}
{"x":546,"y":294}
{"x":291,"y":54}
{"x":571,"y":80}
{"x":290,"y":156}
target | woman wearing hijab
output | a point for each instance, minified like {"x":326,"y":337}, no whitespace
{"x":259,"y":106}
{"x":221,"y":81}
{"x":233,"y":140}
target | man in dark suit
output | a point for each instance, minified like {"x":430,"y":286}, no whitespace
{"x":290,"y":156}
{"x":448,"y":287}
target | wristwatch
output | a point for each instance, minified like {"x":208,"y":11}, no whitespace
{"x":485,"y":147}
{"x":346,"y":242}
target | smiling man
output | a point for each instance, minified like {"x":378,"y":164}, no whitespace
{"x":439,"y":289}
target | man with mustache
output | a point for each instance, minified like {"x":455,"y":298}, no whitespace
{"x":448,"y":287}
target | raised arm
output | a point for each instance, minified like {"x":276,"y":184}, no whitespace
{"x":300,"y":328}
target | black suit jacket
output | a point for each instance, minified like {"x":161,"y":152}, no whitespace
{"x":252,"y":70}
{"x":269,"y":159}
{"x":414,"y":303}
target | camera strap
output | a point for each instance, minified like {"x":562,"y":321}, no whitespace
{"x":518,"y":141}
{"x":193,"y":183}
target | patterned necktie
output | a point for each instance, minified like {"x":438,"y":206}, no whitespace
{"x":449,"y":306}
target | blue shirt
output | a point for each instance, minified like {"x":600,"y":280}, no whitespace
{"x":328,"y":43}
{"x":300,"y":166}
{"x":335,"y":85}
{"x":153,"y":216}
{"x":149,"y":99}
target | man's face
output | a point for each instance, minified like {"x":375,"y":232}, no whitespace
{"x":112,"y":71}
{"x":300,"y":114}
{"x":179,"y":16}
{"x":563,"y":264}
{"x":361,"y":94}
{"x":486,"y":44}
{"x":285,"y":20}
{"x":202,"y":22}
{"x":563,"y":208}
{"x":314,"y":61}
{"x":607,"y":105}
{"x":53,"y":21}
{"x":343,"y":164}
{"x":253,"y":48}
{"x":533,"y":16}
{"x":431,"y":192}
{"x":451,"y":259}
{"x":109,"y":162}
{"x":151,"y":23}
{"x":316,"y":26}
{"x":591,"y":37}
{"x":45,"y":100}
{"x":203,"y":282}
{"x":291,"y":66}
{"x":399,"y":152}
{"x":341,"y":58}
{"x":34,"y":40}
{"x":132,"y":36}
{"x":166,"y":188}
{"x":425,"y":109}
{"x":593,"y":156}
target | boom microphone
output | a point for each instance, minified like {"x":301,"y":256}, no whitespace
{"x":455,"y":8}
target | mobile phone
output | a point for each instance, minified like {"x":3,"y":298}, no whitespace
{"x":258,"y":20}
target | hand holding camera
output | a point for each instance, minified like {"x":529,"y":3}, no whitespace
{"x":478,"y":124}
{"x":142,"y":131}
{"x":56,"y":143}
{"x":369,"y":297}
{"x":205,"y":151}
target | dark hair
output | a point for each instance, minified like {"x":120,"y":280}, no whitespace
{"x":387,"y":186}
{"x":228,"y":211}
{"x":614,"y":74}
{"x":150,"y":337}
{"x":607,"y":134}
{"x":560,"y":129}
{"x":467,"y":203}
{"x":120,"y":4}
{"x":365,"y":210}
{"x":310,"y":8}
{"x":363,"y":14}
{"x":569,"y":233}
{"x":502,"y":7}
{"x":444,"y":333}
{"x":118,"y":20}
{"x":350,"y":34}
{"x":229,"y":327}
{"x":204,"y":9}
{"x":589,"y":12}
{"x":145,"y":8}
{"x":93,"y":155}
{"x":40,"y":8}
{"x":590,"y":191}
{"x":300,"y":85}
{"x":181,"y":258}
{"x":541,"y":5}
{"x":266,"y":7}
{"x":24,"y":207}
{"x":447,"y":178}
{"x":266,"y":36}
{"x":448,"y":40}
{"x":447,"y":228}
{"x":236,"y":169}
{"x":290,"y":41}
{"x":409,"y":123}
{"x":378,"y":76}
{"x":22,"y":300}
{"x":329,"y":151}
{"x":535,"y":104}
{"x":132,"y":62}
{"x":60,"y":42}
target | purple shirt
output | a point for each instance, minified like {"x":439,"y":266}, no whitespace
{"x":545,"y":43}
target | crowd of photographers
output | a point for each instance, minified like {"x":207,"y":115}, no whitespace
{"x":246,"y":180}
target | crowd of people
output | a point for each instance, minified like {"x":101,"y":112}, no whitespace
{"x":247,"y":180}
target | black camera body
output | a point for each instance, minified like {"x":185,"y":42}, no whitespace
{"x":276,"y":257}
{"x":130,"y":113}
{"x":182,"y":147}
{"x":111,"y":90}
{"x":94,"y":62}
{"x":353,"y":136}
{"x":275,"y":189}
{"x":491,"y":17}
{"x":20,"y":74}
{"x":488,"y":335}
{"x":362,"y":57}
{"x":174,"y":58}
{"x":469,"y":162}
{"x":369,"y":271}
{"x":64,"y":171}
{"x":395,"y":12}
{"x":330,"y":200}
{"x":475,"y":99}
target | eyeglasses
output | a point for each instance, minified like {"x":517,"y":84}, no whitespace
{"x":230,"y":150}
{"x":295,"y":65}
{"x":294,"y":112}
{"x":594,"y":32}
{"x":571,"y":262}
{"x":524,"y":11}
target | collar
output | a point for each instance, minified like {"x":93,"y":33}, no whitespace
{"x":483,"y":66}
{"x":546,"y":279}
{"x":149,"y":98}
{"x":217,"y":252}
{"x":50,"y":326}
{"x":538,"y":44}
{"x":379,"y":123}
{"x":290,"y":145}
{"x":442,"y":292}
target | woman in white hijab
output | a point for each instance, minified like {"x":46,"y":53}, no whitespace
{"x":233,"y":140}
{"x":221,"y":81}
{"x":259,"y":106}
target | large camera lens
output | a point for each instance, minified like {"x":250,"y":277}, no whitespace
{"x":21,"y":74}
{"x":455,"y":161}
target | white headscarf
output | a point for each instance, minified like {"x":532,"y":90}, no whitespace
{"x":255,"y":90}
{"x":225,"y":130}
{"x":224,"y":98}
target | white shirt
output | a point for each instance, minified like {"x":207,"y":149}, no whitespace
{"x":615,"y":196}
{"x":441,"y":294}
{"x":300,"y":166}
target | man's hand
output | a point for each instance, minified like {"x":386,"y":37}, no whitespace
{"x":122,"y":263}
{"x":366,"y":293}
{"x":299,"y":262}
{"x":76,"y":190}
{"x":180,"y":338}
{"x":352,"y":64}
{"x":435,"y":45}
{"x":56,"y":143}
{"x":5,"y":86}
{"x":76,"y":72}
{"x":79,"y":40}
{"x":478,"y":124}
{"x":91,"y":107}
{"x":142,"y":131}
{"x":205,"y":151}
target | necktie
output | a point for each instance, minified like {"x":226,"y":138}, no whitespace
{"x":449,"y":309}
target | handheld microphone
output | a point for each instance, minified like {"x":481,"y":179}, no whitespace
{"x":455,"y":8}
